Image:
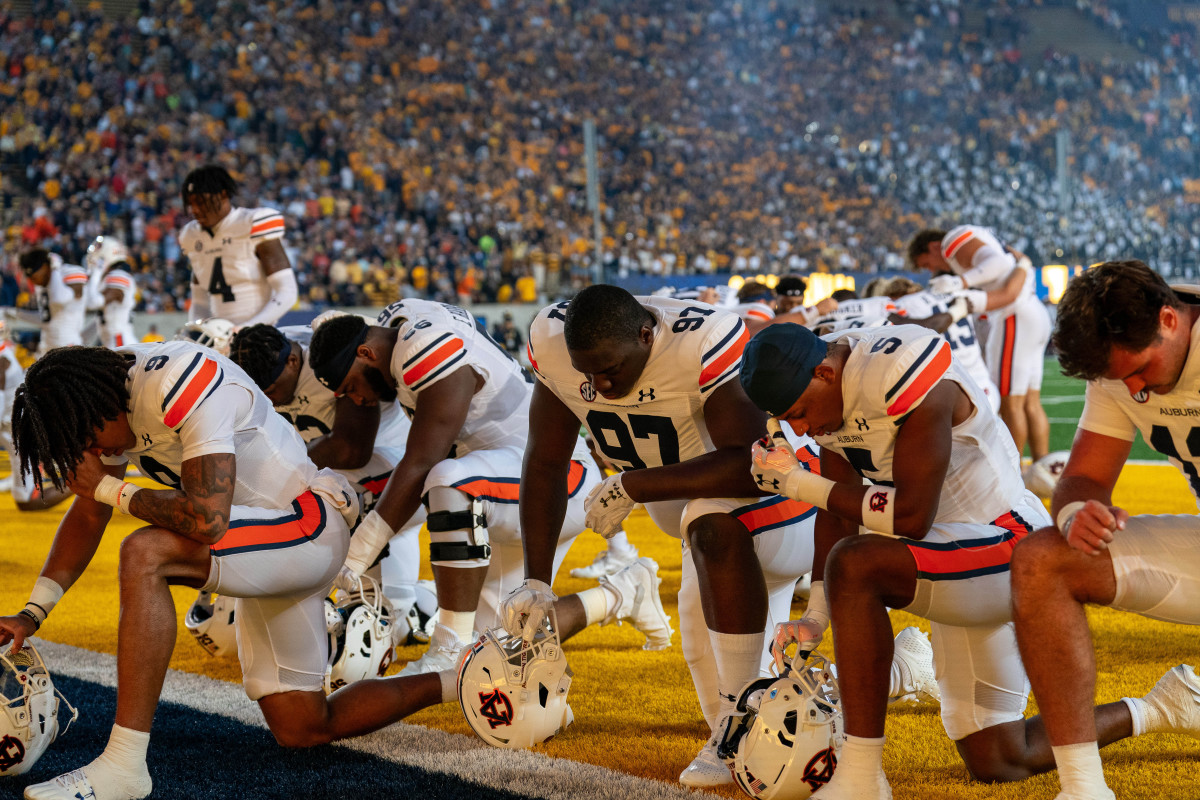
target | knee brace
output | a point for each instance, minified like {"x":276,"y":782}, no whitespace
{"x":458,"y":531}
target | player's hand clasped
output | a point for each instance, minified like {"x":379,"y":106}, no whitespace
{"x":805,"y":632}
{"x":526,"y":607}
{"x":607,"y":506}
{"x":776,"y":469}
{"x":1089,"y":527}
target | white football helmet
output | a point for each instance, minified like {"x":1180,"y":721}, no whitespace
{"x":1042,"y":475}
{"x":28,"y":709}
{"x":103,"y":252}
{"x":785,"y":743}
{"x":513,"y":692}
{"x":359,"y":626}
{"x":212,"y":332}
{"x":210,"y":621}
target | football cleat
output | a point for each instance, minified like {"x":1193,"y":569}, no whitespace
{"x":706,"y":768}
{"x":1173,"y":705}
{"x":638,"y":602}
{"x":605,"y":563}
{"x":97,"y":780}
{"x":445,"y":651}
{"x":913,"y":655}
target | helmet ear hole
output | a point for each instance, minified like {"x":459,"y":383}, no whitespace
{"x":29,"y":709}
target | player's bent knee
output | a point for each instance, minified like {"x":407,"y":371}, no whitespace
{"x":997,"y":754}
{"x":458,"y":532}
{"x":297,"y":719}
{"x":715,"y":534}
{"x":862,"y":561}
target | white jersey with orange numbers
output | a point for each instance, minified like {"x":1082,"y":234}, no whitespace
{"x":116,"y":325}
{"x":225,"y":264}
{"x":889,"y":373}
{"x":62,"y":311}
{"x":313,"y":407}
{"x":696,"y":348}
{"x":436,"y":340}
{"x":960,"y":335}
{"x":1170,"y":423}
{"x":169,"y":385}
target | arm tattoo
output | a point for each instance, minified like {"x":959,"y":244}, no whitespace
{"x":200,"y":511}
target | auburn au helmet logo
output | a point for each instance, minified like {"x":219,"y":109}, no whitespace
{"x":819,"y":770}
{"x":12,"y":752}
{"x":494,"y":706}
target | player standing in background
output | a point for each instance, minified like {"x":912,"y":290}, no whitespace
{"x":1135,"y":341}
{"x":363,"y":443}
{"x":971,"y":257}
{"x":240,"y":271}
{"x":115,"y":293}
{"x":248,"y":515}
{"x":59,"y":289}
{"x":943,"y":508}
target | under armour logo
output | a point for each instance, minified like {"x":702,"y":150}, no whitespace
{"x":645,"y":394}
{"x":302,"y":399}
{"x":819,"y":770}
{"x":765,"y":483}
{"x":146,"y":440}
{"x":12,"y":752}
{"x":879,"y":501}
{"x":495,"y":707}
{"x":862,"y":423}
{"x":225,"y":242}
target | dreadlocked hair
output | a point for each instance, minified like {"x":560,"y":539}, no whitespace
{"x":332,"y":337}
{"x":256,"y":350}
{"x":68,"y":394}
{"x":603,"y":313}
{"x":211,"y":179}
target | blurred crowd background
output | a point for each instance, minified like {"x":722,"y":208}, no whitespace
{"x":427,"y":148}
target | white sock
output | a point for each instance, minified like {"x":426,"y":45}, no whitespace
{"x":860,"y":766}
{"x":739,"y":658}
{"x":619,"y":545}
{"x":126,"y":750}
{"x":1138,"y":709}
{"x":461,"y":622}
{"x":598,"y":603}
{"x":1080,"y":772}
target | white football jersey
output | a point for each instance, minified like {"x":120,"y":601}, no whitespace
{"x":1170,"y":423}
{"x":116,"y":325}
{"x":169,"y":382}
{"x":863,"y":312}
{"x":62,"y":312}
{"x":436,"y":340}
{"x":954,"y":241}
{"x":313,"y":407}
{"x":696,"y":348}
{"x":960,"y":335}
{"x":888,"y":373}
{"x":224,"y":262}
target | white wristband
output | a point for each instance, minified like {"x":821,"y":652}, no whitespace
{"x":108,"y":491}
{"x":818,"y":606}
{"x":44,"y":597}
{"x":878,"y":510}
{"x":128,"y":490}
{"x":1066,"y":515}
{"x":368,"y":540}
{"x":809,"y":487}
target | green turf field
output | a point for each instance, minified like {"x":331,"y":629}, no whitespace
{"x":1062,"y":397}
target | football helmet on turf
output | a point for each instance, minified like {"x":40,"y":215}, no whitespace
{"x":513,"y":692}
{"x":103,"y":252}
{"x":210,"y":621}
{"x":212,"y":332}
{"x":1042,"y":475}
{"x":28,"y":709}
{"x":787,"y":733}
{"x":359,"y":625}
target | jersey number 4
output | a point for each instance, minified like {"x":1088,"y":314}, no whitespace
{"x":217,"y":284}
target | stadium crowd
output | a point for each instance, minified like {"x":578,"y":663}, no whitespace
{"x":440,"y":155}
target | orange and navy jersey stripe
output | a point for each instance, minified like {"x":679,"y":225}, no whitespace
{"x":375,"y":483}
{"x":970,"y":558}
{"x":432,"y":361}
{"x":305,"y":523}
{"x":724,"y":358}
{"x":199,"y":380}
{"x":949,"y":250}
{"x":507,"y":490}
{"x":529,"y":352}
{"x":267,"y":225}
{"x":778,"y":511}
{"x":919,"y":378}
{"x":1008,"y":348}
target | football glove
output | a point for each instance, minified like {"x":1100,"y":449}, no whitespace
{"x":607,"y":506}
{"x":522,"y":612}
{"x":946,"y":284}
{"x":805,"y":632}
